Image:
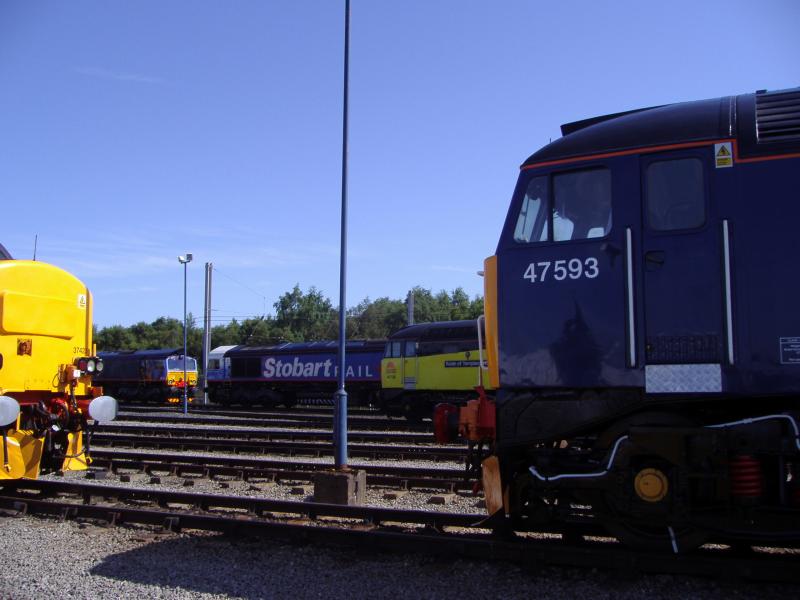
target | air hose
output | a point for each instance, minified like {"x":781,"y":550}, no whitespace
{"x":6,"y":463}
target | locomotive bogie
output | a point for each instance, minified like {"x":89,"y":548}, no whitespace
{"x":735,"y":479}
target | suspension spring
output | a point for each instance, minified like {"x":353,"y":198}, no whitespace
{"x":747,"y":480}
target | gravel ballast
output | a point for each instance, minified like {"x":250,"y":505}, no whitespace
{"x":46,"y":558}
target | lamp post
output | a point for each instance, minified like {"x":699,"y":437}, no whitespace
{"x":185,"y":260}
{"x":340,"y":397}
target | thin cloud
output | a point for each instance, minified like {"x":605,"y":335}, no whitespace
{"x":114,"y":255}
{"x":131,"y":290}
{"x":453,"y":269}
{"x":117,"y":75}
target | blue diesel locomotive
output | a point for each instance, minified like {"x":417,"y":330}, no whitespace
{"x":642,"y":329}
{"x":285,"y":373}
{"x":148,"y":375}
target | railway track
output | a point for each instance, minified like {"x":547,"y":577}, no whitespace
{"x":283,"y":447}
{"x":266,"y":433}
{"x":198,"y":406}
{"x":246,"y":469}
{"x":383,"y":529}
{"x":275,"y":420}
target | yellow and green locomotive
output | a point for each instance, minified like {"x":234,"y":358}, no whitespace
{"x":46,"y":365}
{"x":429,"y":363}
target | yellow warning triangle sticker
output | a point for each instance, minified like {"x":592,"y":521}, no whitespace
{"x":723,"y":151}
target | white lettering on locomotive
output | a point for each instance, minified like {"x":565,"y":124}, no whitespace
{"x":297,"y":368}
{"x":573,"y":268}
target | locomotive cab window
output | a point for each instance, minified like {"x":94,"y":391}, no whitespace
{"x":392,"y":350}
{"x":176,"y":364}
{"x":532,"y":219}
{"x":675,"y":194}
{"x":579,"y":207}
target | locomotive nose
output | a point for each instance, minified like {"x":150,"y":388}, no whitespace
{"x":9,"y":410}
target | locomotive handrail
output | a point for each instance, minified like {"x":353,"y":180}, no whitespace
{"x":481,"y":319}
{"x":750,"y":420}
{"x":728,"y":300}
{"x":629,"y":275}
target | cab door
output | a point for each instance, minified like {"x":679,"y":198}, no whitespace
{"x":410,"y":365}
{"x":682,"y":275}
{"x":563,"y":277}
{"x":392,"y":366}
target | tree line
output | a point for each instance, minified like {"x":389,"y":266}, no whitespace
{"x":298,"y":317}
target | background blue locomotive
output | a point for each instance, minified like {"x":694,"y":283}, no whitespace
{"x":642,"y":326}
{"x":285,"y":373}
{"x":148,"y":375}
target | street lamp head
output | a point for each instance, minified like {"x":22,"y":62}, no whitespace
{"x":183,"y":259}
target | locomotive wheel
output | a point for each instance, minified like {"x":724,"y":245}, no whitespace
{"x":651,"y":485}
{"x":415,"y":411}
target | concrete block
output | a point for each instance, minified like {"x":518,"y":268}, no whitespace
{"x":395,"y":494}
{"x":300,"y":490}
{"x":441,"y":499}
{"x":340,"y":487}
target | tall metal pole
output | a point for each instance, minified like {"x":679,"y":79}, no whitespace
{"x":207,"y":330}
{"x":410,"y":308}
{"x":185,"y":386}
{"x":340,"y":398}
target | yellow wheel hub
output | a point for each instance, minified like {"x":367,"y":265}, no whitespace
{"x":651,"y":485}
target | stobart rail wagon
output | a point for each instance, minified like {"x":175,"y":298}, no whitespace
{"x":46,"y":367}
{"x":643,"y":328}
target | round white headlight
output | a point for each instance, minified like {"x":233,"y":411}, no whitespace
{"x":90,"y":365}
{"x":103,"y":408}
{"x":99,"y":366}
{"x":9,"y":410}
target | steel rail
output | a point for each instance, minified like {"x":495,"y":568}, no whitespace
{"x":317,"y":411}
{"x":365,"y":424}
{"x":240,"y":462}
{"x":215,"y":430}
{"x":284,"y":447}
{"x":216,"y":408}
{"x":244,"y":462}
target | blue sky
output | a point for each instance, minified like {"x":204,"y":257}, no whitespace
{"x":131,"y":132}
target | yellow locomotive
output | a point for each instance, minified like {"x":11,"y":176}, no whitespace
{"x":429,"y":363}
{"x":46,"y":366}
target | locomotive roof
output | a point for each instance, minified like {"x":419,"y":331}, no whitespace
{"x":153,"y":354}
{"x":308,"y":347}
{"x":438,"y":330}
{"x":221,"y":350}
{"x":764,"y":122}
